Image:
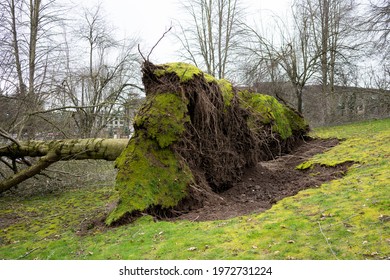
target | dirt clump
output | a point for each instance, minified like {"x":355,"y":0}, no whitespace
{"x":268,"y":182}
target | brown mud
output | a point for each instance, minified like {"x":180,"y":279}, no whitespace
{"x":268,"y":182}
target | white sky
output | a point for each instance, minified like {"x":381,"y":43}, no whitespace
{"x":149,"y":19}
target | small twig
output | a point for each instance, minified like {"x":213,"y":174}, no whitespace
{"x":44,"y":175}
{"x":28,"y":253}
{"x":165,"y":33}
{"x":67,"y":107}
{"x":63,"y":172}
{"x":6,"y":135}
{"x":6,"y":163}
{"x":193,"y":220}
{"x":26,"y":161}
{"x":343,"y":221}
{"x":139,"y":50}
{"x":327,"y":241}
{"x":134,"y":85}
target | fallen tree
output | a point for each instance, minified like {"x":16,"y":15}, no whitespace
{"x":53,"y":151}
{"x":194,"y":137}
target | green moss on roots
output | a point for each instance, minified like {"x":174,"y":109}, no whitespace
{"x":184,"y":71}
{"x":227,"y":91}
{"x":163,"y":118}
{"x":265,"y":109}
{"x":149,"y":176}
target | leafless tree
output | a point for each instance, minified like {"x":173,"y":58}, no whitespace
{"x":375,"y":25}
{"x":378,"y":78}
{"x":46,"y":78}
{"x":94,"y":89}
{"x":334,"y":32}
{"x":320,"y":43}
{"x":295,"y":52}
{"x":378,"y":24}
{"x":211,"y":34}
{"x":28,"y":56}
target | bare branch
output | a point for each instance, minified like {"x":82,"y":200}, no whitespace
{"x":6,"y":135}
{"x":29,"y":172}
{"x":162,"y":37}
{"x":143,"y":57}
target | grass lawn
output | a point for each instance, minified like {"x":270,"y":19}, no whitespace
{"x":348,"y":218}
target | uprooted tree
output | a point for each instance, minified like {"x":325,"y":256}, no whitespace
{"x":194,"y":137}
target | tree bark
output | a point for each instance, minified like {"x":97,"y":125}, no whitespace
{"x":56,"y":150}
{"x":69,"y":149}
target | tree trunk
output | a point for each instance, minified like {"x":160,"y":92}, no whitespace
{"x":29,"y":172}
{"x":298,"y":92}
{"x":69,"y":149}
{"x":324,"y":45}
{"x":56,"y":150}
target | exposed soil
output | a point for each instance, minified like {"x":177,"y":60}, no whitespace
{"x":268,"y":182}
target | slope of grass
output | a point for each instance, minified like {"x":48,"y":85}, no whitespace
{"x":348,"y":218}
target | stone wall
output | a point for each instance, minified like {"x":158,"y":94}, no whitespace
{"x":347,"y":104}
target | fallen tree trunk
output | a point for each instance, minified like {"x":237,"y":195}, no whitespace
{"x":29,"y":172}
{"x":56,"y":150}
{"x":68,"y":149}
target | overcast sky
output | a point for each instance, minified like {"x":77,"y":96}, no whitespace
{"x":149,"y":19}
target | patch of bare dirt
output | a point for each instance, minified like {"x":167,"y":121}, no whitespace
{"x":269,"y":182}
{"x":8,"y":219}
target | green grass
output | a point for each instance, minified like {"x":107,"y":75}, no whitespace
{"x":347,"y":218}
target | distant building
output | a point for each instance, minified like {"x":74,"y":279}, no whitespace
{"x":121,"y":125}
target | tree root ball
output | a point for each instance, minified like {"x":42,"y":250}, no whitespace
{"x":194,"y":137}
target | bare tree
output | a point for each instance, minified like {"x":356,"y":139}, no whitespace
{"x":295,"y":52}
{"x":378,"y":24}
{"x":334,"y":32}
{"x":45,"y":82}
{"x":94,"y":89}
{"x":378,"y":78}
{"x":320,"y":43}
{"x":212,"y":34}
{"x":29,"y":56}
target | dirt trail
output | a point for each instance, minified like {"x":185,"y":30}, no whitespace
{"x":268,"y":182}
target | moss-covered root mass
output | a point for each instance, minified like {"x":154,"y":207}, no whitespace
{"x":150,"y":173}
{"x":195,"y":133}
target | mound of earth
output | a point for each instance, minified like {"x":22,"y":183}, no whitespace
{"x":268,"y":182}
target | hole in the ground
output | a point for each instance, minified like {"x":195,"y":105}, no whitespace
{"x":269,"y":182}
